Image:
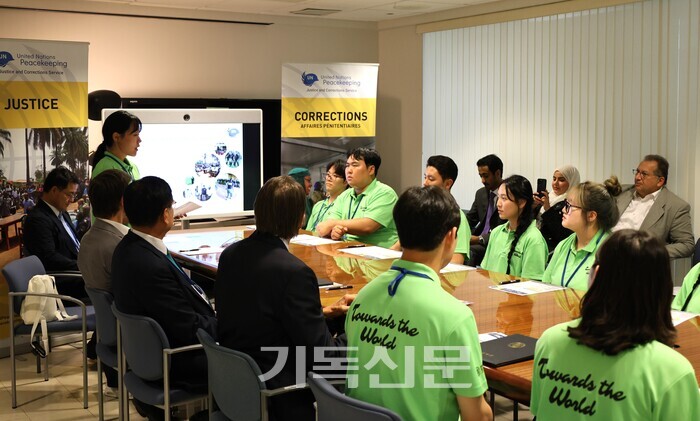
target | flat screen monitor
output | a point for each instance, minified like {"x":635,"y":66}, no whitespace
{"x":210,"y":157}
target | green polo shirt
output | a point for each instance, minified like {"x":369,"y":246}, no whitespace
{"x":377,"y":203}
{"x":530,"y":255}
{"x":319,"y":213}
{"x":402,"y":342}
{"x":574,"y":382}
{"x":571,"y":264}
{"x":686,"y":290}
{"x":111,"y":162}
{"x":464,"y":235}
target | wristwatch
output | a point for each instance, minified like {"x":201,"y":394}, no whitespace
{"x":481,"y":241}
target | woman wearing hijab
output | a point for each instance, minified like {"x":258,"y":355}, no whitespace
{"x":549,"y":205}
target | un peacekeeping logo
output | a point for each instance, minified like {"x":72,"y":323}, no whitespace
{"x":309,"y":79}
{"x":6,"y":57}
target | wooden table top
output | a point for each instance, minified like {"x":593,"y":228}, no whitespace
{"x":493,"y":310}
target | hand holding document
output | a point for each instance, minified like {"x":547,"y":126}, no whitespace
{"x":185,"y":208}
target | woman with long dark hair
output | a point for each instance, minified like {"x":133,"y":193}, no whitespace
{"x":120,"y":138}
{"x":617,"y":361}
{"x":516,"y":247}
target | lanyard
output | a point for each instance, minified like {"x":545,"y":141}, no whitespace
{"x":566,"y":264}
{"x":319,"y":216}
{"x":194,"y":285}
{"x":356,"y":207}
{"x":126,"y":169}
{"x":394,"y":285}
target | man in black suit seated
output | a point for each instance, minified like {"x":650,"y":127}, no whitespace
{"x":147,"y":281}
{"x":483,"y":216}
{"x":266,"y":297}
{"x":49,"y":233}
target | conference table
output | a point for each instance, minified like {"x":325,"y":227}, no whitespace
{"x":495,"y":311}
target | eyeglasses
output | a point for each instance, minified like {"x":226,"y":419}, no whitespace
{"x":331,"y":176}
{"x":643,"y":174}
{"x":69,"y":195}
{"x":568,"y":206}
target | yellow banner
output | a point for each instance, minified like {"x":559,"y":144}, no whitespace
{"x":328,"y":117}
{"x":43,"y":104}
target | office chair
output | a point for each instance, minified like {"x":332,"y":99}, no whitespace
{"x":331,"y":405}
{"x":17,"y":274}
{"x":235,"y":385}
{"x":147,"y":350}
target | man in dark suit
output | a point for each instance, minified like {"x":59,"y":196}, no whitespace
{"x":267,"y":297}
{"x":483,"y":216}
{"x":147,"y":281}
{"x":650,"y":206}
{"x":98,"y":244}
{"x":49,"y":233}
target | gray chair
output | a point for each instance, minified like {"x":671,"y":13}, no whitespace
{"x":331,"y":405}
{"x":236,"y":389}
{"x":106,"y":347}
{"x":147,"y":350}
{"x":17,"y":274}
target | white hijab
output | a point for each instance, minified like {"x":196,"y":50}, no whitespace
{"x":572,"y":176}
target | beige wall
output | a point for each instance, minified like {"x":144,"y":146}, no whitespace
{"x":399,"y":107}
{"x":169,"y":58}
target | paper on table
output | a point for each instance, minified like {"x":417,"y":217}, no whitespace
{"x":679,"y":317}
{"x":187,"y":207}
{"x":372,"y":252}
{"x":527,"y":288}
{"x":454,"y":267}
{"x":310,"y":240}
{"x":489,"y":336}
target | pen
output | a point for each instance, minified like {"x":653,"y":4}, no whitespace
{"x":354,"y":246}
{"x":508,"y":282}
{"x":339,"y":287}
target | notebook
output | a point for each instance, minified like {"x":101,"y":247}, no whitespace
{"x":508,"y":350}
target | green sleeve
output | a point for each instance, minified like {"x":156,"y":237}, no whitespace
{"x":464,"y":234}
{"x":686,"y":290}
{"x":466,"y":335}
{"x":315,"y":211}
{"x":681,"y":401}
{"x":492,"y":255}
{"x":553,"y":266}
{"x":103,"y":165}
{"x":534,"y":256}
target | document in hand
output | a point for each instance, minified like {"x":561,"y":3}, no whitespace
{"x":508,"y":350}
{"x":185,"y":208}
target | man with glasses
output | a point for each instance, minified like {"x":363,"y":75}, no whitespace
{"x":650,"y":206}
{"x":49,"y":233}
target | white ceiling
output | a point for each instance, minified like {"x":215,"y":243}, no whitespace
{"x":352,"y":10}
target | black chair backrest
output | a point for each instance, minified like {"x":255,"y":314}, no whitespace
{"x":106,"y":322}
{"x":335,"y":406}
{"x":234,"y":380}
{"x":143,"y":341}
{"x":18,"y":273}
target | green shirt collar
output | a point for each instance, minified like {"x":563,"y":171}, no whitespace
{"x":124,"y":161}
